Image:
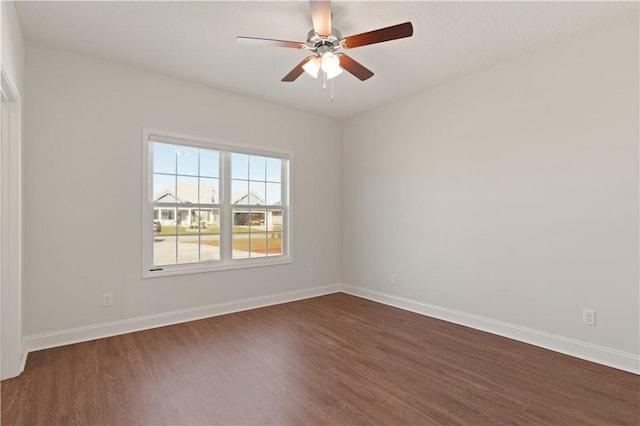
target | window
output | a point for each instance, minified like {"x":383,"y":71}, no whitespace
{"x":210,"y":206}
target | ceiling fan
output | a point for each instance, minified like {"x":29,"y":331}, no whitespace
{"x":325,"y":42}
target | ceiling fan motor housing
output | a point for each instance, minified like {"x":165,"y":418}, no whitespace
{"x":320,"y":44}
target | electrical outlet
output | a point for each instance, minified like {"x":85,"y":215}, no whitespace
{"x":107,"y":300}
{"x":394,"y":278}
{"x":589,"y":317}
{"x":309,"y":273}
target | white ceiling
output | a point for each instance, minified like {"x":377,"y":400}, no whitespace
{"x":195,"y":41}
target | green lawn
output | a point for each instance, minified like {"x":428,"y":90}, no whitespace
{"x":184,"y":230}
{"x":258,"y":244}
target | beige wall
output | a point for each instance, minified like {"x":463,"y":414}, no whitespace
{"x":82,"y":165}
{"x":509,"y":196}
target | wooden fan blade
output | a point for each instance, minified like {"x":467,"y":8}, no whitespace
{"x":321,"y":17}
{"x":354,"y":67}
{"x":378,"y":36}
{"x":254,"y":41}
{"x":297,"y":71}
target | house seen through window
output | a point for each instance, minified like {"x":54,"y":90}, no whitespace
{"x":214,"y":206}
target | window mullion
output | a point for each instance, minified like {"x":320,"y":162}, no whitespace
{"x":149,"y":163}
{"x":199,"y":212}
{"x":284,"y":204}
{"x":226,"y":218}
{"x":175,"y":210}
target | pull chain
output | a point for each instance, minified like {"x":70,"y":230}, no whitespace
{"x":324,"y":84}
{"x":332,"y":89}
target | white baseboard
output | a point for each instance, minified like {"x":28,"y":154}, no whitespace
{"x":82,"y":334}
{"x":23,"y":357}
{"x":15,"y":366}
{"x":588,"y":351}
{"x":595,"y":353}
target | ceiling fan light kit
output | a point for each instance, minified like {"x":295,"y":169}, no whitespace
{"x":330,"y":64}
{"x":325,"y":42}
{"x":312,"y":67}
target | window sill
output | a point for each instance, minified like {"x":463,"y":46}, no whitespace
{"x":187,"y":269}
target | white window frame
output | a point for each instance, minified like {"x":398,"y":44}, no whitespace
{"x":226,"y":261}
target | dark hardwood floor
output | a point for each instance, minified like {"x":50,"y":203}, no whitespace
{"x":335,"y":359}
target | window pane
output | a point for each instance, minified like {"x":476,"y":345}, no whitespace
{"x":241,"y":220}
{"x":274,"y":194}
{"x":164,"y":250}
{"x":212,"y":220}
{"x":164,"y":158}
{"x":188,"y":248}
{"x":194,"y":222}
{"x":187,"y":190}
{"x":183,"y":219}
{"x":187,"y":160}
{"x":274,"y":243}
{"x":274,"y":170}
{"x":240,"y":246}
{"x":209,"y":247}
{"x":164,"y":238}
{"x":209,"y":163}
{"x":241,"y":237}
{"x":204,"y":221}
{"x":257,"y":193}
{"x":256,"y":168}
{"x":239,"y":192}
{"x":274,"y":231}
{"x":209,"y":191}
{"x":258,"y":220}
{"x":239,"y":166}
{"x":249,"y":233}
{"x":258,"y":244}
{"x":164,"y":188}
{"x":167,"y":218}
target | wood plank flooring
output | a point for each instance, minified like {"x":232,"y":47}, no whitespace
{"x":335,"y":359}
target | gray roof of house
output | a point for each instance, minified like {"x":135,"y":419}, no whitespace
{"x":187,"y":193}
{"x":247,"y":197}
